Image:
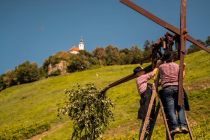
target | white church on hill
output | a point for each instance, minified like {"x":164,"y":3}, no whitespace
{"x":76,"y":49}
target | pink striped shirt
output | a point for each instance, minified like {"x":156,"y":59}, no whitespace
{"x":141,"y":82}
{"x":169,"y":73}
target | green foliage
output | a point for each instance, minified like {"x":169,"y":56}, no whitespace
{"x":55,"y":59}
{"x":2,"y":84}
{"x":90,"y":111}
{"x":136,"y":54}
{"x":27,"y":72}
{"x":147,"y":50}
{"x":112,"y":55}
{"x":8,"y":79}
{"x":208,"y":41}
{"x":55,"y":73}
{"x":23,"y":132}
{"x":42,"y":72}
{"x":100,"y":54}
{"x":193,"y":48}
{"x":78,"y":64}
{"x":39,"y":100}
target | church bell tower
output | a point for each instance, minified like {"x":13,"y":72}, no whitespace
{"x":81,"y":44}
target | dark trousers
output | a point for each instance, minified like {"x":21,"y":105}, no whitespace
{"x":144,"y":103}
{"x":169,"y":98}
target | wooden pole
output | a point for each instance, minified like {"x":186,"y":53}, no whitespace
{"x":168,"y":135}
{"x":188,"y":126}
{"x":125,"y":79}
{"x":182,"y":48}
{"x":147,"y":117}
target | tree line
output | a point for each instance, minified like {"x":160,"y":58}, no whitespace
{"x":101,"y":56}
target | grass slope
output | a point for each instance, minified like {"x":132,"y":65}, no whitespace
{"x":29,"y":109}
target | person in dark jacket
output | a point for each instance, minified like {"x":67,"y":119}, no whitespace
{"x":145,"y":91}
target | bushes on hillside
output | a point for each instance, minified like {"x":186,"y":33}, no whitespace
{"x":77,"y":63}
{"x":100,"y":56}
{"x":27,"y":72}
{"x":8,"y":79}
{"x":23,"y":73}
{"x":89,"y":109}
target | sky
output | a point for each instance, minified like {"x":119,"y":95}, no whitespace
{"x":35,"y":29}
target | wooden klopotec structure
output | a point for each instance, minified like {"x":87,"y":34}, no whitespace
{"x":180,"y":36}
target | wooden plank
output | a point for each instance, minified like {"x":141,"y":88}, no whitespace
{"x":124,"y":79}
{"x":165,"y":121}
{"x":162,"y":23}
{"x":157,"y":109}
{"x":188,"y":126}
{"x":147,"y":118}
{"x":182,"y":48}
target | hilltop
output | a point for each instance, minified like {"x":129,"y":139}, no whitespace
{"x":29,"y":109}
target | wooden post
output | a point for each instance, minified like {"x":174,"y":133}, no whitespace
{"x":182,"y":48}
{"x":188,"y":126}
{"x":168,"y":135}
{"x":147,"y":117}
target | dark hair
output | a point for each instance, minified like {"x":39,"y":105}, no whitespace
{"x":137,"y":69}
{"x":167,"y":56}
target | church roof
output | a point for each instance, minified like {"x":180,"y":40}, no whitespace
{"x":74,"y":49}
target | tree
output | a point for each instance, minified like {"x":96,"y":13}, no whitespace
{"x":89,"y":57}
{"x":2,"y":84}
{"x":100,"y":54}
{"x":137,"y":55}
{"x":8,"y":79}
{"x":112,"y":55}
{"x":193,"y":48}
{"x":78,"y":63}
{"x":27,"y":72}
{"x":208,"y":41}
{"x":125,"y":56}
{"x":147,"y":51}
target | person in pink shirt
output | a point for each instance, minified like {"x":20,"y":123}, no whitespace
{"x":169,"y":73}
{"x":145,"y":91}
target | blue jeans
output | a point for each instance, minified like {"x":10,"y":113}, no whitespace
{"x":169,"y":98}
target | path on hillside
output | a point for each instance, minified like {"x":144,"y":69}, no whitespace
{"x":51,"y":130}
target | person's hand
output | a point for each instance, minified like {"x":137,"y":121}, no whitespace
{"x":159,"y":62}
{"x":184,"y":65}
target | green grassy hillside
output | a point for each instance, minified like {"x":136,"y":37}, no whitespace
{"x":29,"y":109}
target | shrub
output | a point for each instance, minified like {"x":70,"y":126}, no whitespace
{"x":89,"y":110}
{"x":78,"y":63}
{"x":55,"y":73}
{"x":27,"y":72}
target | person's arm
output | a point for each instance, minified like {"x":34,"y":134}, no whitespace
{"x":159,"y":62}
{"x":152,"y":75}
{"x":155,"y":73}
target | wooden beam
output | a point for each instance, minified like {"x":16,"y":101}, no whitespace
{"x":182,"y":48}
{"x":124,"y":79}
{"x":162,"y":23}
{"x":149,"y":111}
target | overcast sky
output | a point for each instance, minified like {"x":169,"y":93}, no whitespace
{"x":35,"y":29}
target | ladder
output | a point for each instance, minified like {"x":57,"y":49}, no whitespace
{"x":158,"y":107}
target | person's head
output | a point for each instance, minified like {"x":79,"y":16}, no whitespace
{"x":167,"y":57}
{"x":138,"y":71}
